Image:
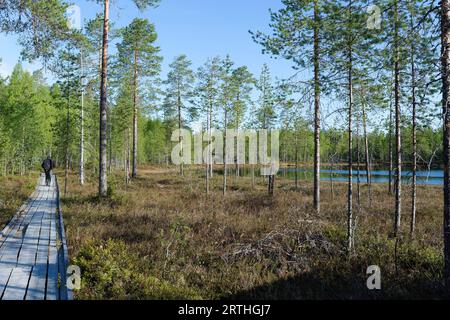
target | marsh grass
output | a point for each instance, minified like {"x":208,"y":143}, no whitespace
{"x":162,"y":237}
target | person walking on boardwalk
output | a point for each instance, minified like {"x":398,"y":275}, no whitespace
{"x":48,"y":166}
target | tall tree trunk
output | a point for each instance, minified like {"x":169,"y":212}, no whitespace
{"x":180,"y":141}
{"x":225,"y":156}
{"x":350,"y":229}
{"x":366,"y":153}
{"x":316,"y":108}
{"x":128,"y":157}
{"x":109,"y":141}
{"x":398,"y":142}
{"x":296,"y":160}
{"x":210,"y":137}
{"x":103,"y":182}
{"x":135,"y":114}
{"x":82,"y":121}
{"x":207,"y":158}
{"x":358,"y":161}
{"x":414,"y":135}
{"x":445,"y":61}
{"x":66,"y":167}
{"x":391,"y":165}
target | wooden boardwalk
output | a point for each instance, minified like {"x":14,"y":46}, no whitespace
{"x":33,"y":250}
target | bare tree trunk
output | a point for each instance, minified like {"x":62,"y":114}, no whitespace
{"x":109,"y":141}
{"x":296,"y":160}
{"x":414,"y":133}
{"x":82,"y":121}
{"x":331,"y":178}
{"x":350,"y":229}
{"x":445,"y":61}
{"x":66,"y":167}
{"x":135,"y":114}
{"x":271,"y":184}
{"x":398,"y":142}
{"x":210,"y":137}
{"x":225,"y":156}
{"x":390,"y":148}
{"x":179,"y":133}
{"x":207,"y":157}
{"x":316,"y":109}
{"x":253,"y":177}
{"x":127,"y":157}
{"x":103,"y":182}
{"x":366,"y":153}
{"x":358,"y":162}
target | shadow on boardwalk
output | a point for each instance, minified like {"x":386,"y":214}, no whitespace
{"x":33,"y":251}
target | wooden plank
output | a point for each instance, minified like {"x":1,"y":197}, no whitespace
{"x":15,"y":222}
{"x":11,"y":248}
{"x":17,"y":284}
{"x":36,"y":286}
{"x":30,"y":260}
{"x":10,"y":252}
{"x":5,"y":272}
{"x":52,"y":274}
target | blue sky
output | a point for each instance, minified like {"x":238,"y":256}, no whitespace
{"x":198,"y":28}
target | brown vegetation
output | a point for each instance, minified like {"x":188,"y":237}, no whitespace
{"x":163,"y":237}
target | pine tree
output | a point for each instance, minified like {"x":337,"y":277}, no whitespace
{"x":207,"y":90}
{"x":141,"y":4}
{"x":138,"y":53}
{"x":298,"y":35}
{"x":179,"y":92}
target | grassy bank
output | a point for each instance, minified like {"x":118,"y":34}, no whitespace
{"x":163,"y":237}
{"x":14,"y":190}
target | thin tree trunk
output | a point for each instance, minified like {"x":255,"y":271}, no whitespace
{"x":179,"y":133}
{"x":366,"y":153}
{"x":316,"y":108}
{"x":135,"y":114}
{"x":445,"y":61}
{"x":109,"y":141}
{"x":225,"y":156}
{"x":82,"y":121}
{"x":127,"y":157}
{"x":296,"y":161}
{"x":103,"y":183}
{"x":207,"y":158}
{"x":350,"y":229}
{"x":358,"y":162}
{"x":331,"y":179}
{"x":390,"y":148}
{"x":210,"y":137}
{"x":66,"y":167}
{"x":414,"y":133}
{"x":398,"y":143}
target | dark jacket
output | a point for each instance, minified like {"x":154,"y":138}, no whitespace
{"x":47,"y":165}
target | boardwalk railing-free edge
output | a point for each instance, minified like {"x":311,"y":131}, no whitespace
{"x":65,"y":293}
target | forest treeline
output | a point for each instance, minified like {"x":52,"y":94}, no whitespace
{"x":367,"y":87}
{"x":37,"y":119}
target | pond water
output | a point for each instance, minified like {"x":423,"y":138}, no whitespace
{"x":425,"y":177}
